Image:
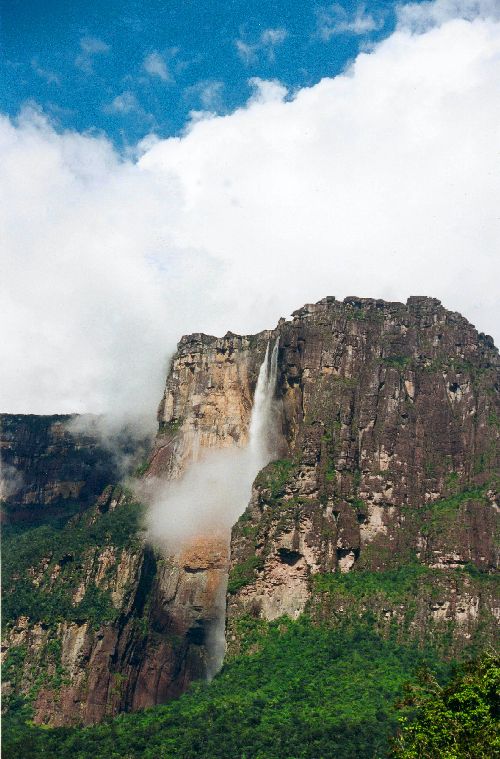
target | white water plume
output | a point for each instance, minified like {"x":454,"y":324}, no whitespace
{"x":215,"y":490}
{"x":261,"y":432}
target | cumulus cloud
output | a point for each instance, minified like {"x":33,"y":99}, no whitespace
{"x":381,"y":182}
{"x":156,"y":65}
{"x":89,"y":48}
{"x":266,"y":44}
{"x":336,"y":20}
{"x":419,"y":17}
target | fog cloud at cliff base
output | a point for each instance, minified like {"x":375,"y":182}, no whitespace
{"x":382,"y":182}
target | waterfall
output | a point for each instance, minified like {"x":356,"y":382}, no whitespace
{"x":259,"y":452}
{"x":261,"y":430}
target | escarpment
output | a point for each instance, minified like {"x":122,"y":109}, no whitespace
{"x":75,"y":646}
{"x":383,"y":501}
{"x":52,"y":466}
{"x":391,"y":414}
{"x":208,"y":399}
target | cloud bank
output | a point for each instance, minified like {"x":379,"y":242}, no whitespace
{"x":382,"y":182}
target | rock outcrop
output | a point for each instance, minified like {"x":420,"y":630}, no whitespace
{"x":49,"y":468}
{"x":384,"y":501}
{"x":208,"y":399}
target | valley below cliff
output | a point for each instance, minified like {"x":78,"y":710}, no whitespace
{"x":315,"y":522}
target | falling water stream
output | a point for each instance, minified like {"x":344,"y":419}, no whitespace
{"x":261,"y":420}
{"x":259,"y":452}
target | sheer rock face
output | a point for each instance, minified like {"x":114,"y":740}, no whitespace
{"x":391,"y":413}
{"x":48,"y":468}
{"x":144,"y":642}
{"x":389,"y":426}
{"x":208,"y":399}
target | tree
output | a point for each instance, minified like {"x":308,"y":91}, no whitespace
{"x":458,"y":721}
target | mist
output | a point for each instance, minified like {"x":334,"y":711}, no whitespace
{"x":129,"y":437}
{"x":207,"y":501}
{"x":11,"y":480}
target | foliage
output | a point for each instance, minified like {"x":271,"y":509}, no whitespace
{"x":12,"y":666}
{"x":171,"y":427}
{"x":143,"y":467}
{"x":304,"y":692}
{"x":442,"y":510}
{"x":397,"y":362}
{"x":395,"y":584}
{"x":458,"y":721}
{"x":244,"y":573}
{"x":392,"y":601}
{"x":61,"y":553}
{"x":274,"y":476}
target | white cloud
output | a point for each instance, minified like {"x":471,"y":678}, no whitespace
{"x":336,"y":20}
{"x":383,"y":182}
{"x":266,"y":44}
{"x":124,"y":103}
{"x":247,"y":53}
{"x":419,"y":17}
{"x":266,"y":90}
{"x":155,"y":65}
{"x":273,"y":36}
{"x":90,"y":47}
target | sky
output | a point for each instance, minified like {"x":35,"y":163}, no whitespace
{"x":130,"y":67}
{"x":169,"y":168}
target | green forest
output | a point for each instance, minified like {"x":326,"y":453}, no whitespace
{"x":298,"y":691}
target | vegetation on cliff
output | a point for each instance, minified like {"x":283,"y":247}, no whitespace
{"x":299,"y":690}
{"x":43,"y":566}
{"x":55,"y":576}
{"x":376,"y":525}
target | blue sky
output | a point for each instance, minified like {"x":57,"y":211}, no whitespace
{"x":131,"y":67}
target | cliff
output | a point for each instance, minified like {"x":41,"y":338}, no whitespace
{"x":383,"y":501}
{"x":391,"y":415}
{"x":49,"y":469}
